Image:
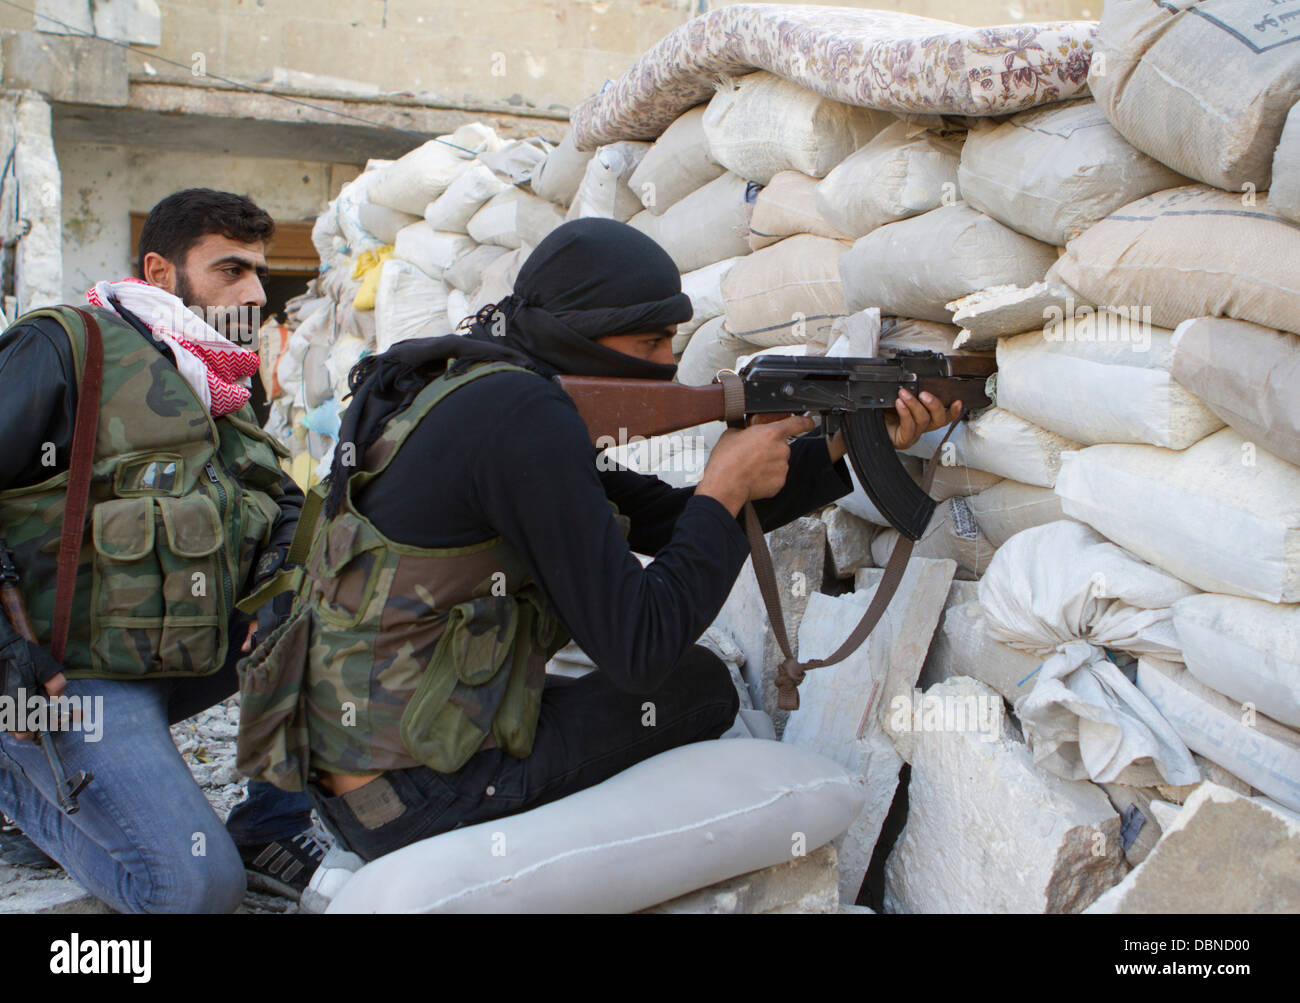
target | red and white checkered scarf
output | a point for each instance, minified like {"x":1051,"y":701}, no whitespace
{"x":216,"y":368}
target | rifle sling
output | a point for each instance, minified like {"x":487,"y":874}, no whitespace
{"x":84,"y":432}
{"x":791,"y":671}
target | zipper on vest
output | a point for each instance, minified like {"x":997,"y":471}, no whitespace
{"x":226,"y":585}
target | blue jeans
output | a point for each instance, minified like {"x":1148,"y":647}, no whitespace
{"x":145,"y":838}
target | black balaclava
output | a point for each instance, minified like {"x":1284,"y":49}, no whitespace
{"x":587,"y":279}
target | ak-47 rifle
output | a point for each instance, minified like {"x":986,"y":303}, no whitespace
{"x":852,"y":395}
{"x":15,"y":611}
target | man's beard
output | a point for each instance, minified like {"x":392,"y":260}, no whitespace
{"x":228,"y":321}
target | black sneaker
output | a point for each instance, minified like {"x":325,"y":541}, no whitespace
{"x":285,"y":867}
{"x":17,"y":848}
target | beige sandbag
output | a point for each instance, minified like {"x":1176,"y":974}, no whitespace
{"x":999,"y":442}
{"x":1191,"y":252}
{"x":504,"y":218}
{"x":787,"y":293}
{"x":903,"y":171}
{"x":1284,"y":196}
{"x":559,"y":175}
{"x":1247,"y":375}
{"x":408,"y":304}
{"x":457,"y":308}
{"x":1053,"y":172}
{"x":760,"y":124}
{"x":454,"y":208}
{"x":535,"y":218}
{"x":787,"y":207}
{"x":604,"y":191}
{"x":1201,"y":85}
{"x":431,"y":251}
{"x":499,"y":279}
{"x":412,"y":182}
{"x":710,"y":349}
{"x":705,"y":227}
{"x":466,"y":272}
{"x":383,"y":222}
{"x":1101,"y":377}
{"x":704,"y":287}
{"x":954,"y":481}
{"x":910,"y":334}
{"x":1008,"y":507}
{"x":1221,"y":514}
{"x":914,"y":267}
{"x":679,"y":162}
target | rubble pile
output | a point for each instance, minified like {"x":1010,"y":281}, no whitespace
{"x":1103,"y":614}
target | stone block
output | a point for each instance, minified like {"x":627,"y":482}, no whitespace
{"x":843,"y":707}
{"x":138,"y":22}
{"x":75,"y":70}
{"x":849,"y":541}
{"x":1224,"y":853}
{"x":998,"y":311}
{"x":962,"y":646}
{"x":988,"y":831}
{"x":807,"y":884}
{"x":27,"y":890}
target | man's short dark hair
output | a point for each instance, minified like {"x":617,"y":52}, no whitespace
{"x":181,"y":220}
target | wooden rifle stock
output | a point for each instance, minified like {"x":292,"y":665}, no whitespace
{"x":617,"y":410}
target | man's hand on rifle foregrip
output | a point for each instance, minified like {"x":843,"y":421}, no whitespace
{"x":911,"y":418}
{"x":23,"y":666}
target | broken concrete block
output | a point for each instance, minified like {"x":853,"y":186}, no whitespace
{"x":1224,"y":854}
{"x":849,"y":540}
{"x":1139,"y":828}
{"x":1252,"y":747}
{"x":807,"y":884}
{"x":989,"y":832}
{"x":992,"y":313}
{"x":28,"y":890}
{"x":843,"y":707}
{"x":798,"y":558}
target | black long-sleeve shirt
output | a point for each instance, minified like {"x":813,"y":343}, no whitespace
{"x":38,"y":404}
{"x":509,"y":455}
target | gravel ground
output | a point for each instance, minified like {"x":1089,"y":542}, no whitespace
{"x":207,"y":744}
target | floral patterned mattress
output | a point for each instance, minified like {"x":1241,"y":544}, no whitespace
{"x":877,"y":59}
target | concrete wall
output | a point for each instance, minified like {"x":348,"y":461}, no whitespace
{"x":491,"y":53}
{"x":103,"y":185}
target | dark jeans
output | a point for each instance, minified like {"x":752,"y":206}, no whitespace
{"x":588,"y":731}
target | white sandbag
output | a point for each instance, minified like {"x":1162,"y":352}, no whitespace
{"x":1053,"y":172}
{"x":454,"y":208}
{"x":328,"y":240}
{"x":958,"y":482}
{"x":1010,"y":507}
{"x":679,"y":821}
{"x":1191,"y":252}
{"x":951,"y":535}
{"x":903,"y":171}
{"x":518,"y":159}
{"x":497,"y":222}
{"x":498,"y":279}
{"x":914,"y":267}
{"x":787,"y":293}
{"x":604,"y":191}
{"x":855,"y":335}
{"x":457,"y":308}
{"x":1247,"y":649}
{"x":760,"y":124}
{"x":710,"y":349}
{"x":1062,"y":593}
{"x":431,"y":251}
{"x":1249,"y":745}
{"x":559,"y":175}
{"x":383,"y":222}
{"x":1002,"y":443}
{"x":1101,"y":377}
{"x":419,"y":177}
{"x":535,"y":218}
{"x":704,"y":287}
{"x":786,"y":207}
{"x":705,"y":227}
{"x":679,"y":163}
{"x":466,"y":272}
{"x":1245,"y":374}
{"x":1221,"y":514}
{"x":1201,"y":85}
{"x":1284,"y":196}
{"x":347,"y":208}
{"x":408,"y":304}
{"x":345,"y":353}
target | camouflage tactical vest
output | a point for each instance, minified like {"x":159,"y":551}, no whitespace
{"x":179,"y":505}
{"x":418,"y":655}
